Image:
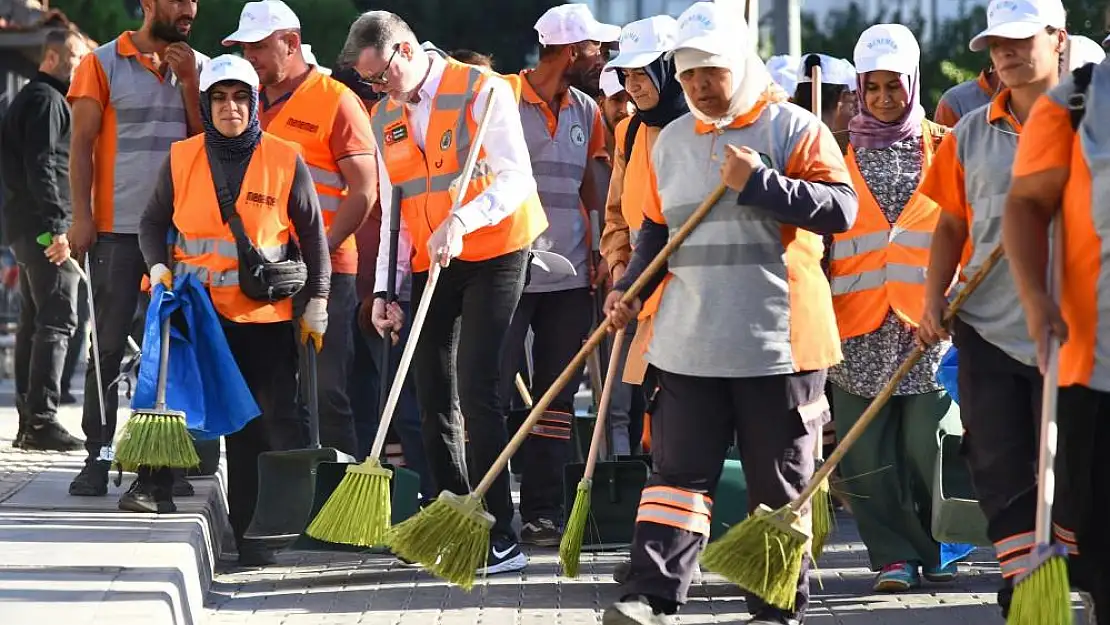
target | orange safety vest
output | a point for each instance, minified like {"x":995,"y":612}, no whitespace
{"x":876,"y":267}
{"x":425,"y":176}
{"x":307,"y":119}
{"x":205,"y":246}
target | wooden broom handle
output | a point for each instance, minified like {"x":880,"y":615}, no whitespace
{"x":815,"y":98}
{"x":575,"y":365}
{"x":884,"y":396}
{"x":603,"y":404}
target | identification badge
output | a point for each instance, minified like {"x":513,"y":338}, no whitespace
{"x":395,"y":134}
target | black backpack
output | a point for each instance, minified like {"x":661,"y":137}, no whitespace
{"x":1077,"y":101}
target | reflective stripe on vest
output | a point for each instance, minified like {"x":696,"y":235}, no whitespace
{"x":986,"y":153}
{"x":559,"y":165}
{"x":425,"y":175}
{"x":733,"y":267}
{"x":1085,"y":296}
{"x":876,"y":267}
{"x":150,"y":116}
{"x":204,"y":245}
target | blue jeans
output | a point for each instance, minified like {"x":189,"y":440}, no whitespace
{"x":365,"y":393}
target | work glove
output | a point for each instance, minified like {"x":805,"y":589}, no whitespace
{"x":161,"y":274}
{"x":314,"y":322}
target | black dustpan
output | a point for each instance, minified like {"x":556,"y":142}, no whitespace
{"x":287,"y":479}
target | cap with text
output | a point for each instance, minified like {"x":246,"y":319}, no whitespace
{"x":227,"y":67}
{"x":1019,"y":19}
{"x":573,"y":23}
{"x":259,"y":20}
{"x":642,"y":42}
{"x":887,"y":47}
{"x":711,"y":28}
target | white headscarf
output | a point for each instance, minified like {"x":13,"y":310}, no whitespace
{"x":750,"y":79}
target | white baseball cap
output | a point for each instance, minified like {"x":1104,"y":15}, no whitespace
{"x":1019,"y":19}
{"x":711,"y":28}
{"x":310,"y":58}
{"x":611,"y":84}
{"x":573,"y":23}
{"x":227,"y":67}
{"x":1082,"y":50}
{"x":644,"y":41}
{"x":890,"y":47}
{"x":783,"y":69}
{"x":834,"y":71}
{"x":262,"y":19}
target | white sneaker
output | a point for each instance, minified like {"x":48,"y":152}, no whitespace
{"x":505,"y":556}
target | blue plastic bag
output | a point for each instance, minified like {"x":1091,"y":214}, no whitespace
{"x":946,"y":374}
{"x":203,"y":379}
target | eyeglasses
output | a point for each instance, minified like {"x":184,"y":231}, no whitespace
{"x":380,"y":79}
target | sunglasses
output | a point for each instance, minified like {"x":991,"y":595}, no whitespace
{"x":381,"y":79}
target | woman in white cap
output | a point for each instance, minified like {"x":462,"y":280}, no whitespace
{"x":276,"y":202}
{"x":877,"y":272}
{"x":742,"y":325}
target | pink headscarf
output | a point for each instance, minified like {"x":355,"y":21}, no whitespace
{"x":867,"y":131}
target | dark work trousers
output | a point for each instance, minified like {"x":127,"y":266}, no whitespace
{"x":333,"y":368}
{"x":47,"y":319}
{"x":459,"y":349}
{"x":117,"y":274}
{"x":267,"y":357}
{"x":79,"y":342}
{"x":1000,"y":405}
{"x":1083,"y":491}
{"x":694,"y":421}
{"x":560,"y":322}
{"x":366,"y":392}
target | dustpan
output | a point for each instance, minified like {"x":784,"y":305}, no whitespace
{"x":287,"y":479}
{"x":730,"y":501}
{"x":957,"y":517}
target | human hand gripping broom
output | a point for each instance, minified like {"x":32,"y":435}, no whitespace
{"x":570,"y":547}
{"x":359,"y":511}
{"x":451,"y":536}
{"x":763,"y":554}
{"x":1042,"y":594}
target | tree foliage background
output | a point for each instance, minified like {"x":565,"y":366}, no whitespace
{"x":504,"y":28}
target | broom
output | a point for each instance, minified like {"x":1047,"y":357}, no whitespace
{"x":763,"y":554}
{"x":158,"y":437}
{"x":451,"y":536}
{"x":359,"y":511}
{"x":570,"y":547}
{"x":1042,"y":594}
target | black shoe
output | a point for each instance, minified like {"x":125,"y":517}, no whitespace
{"x":181,"y":486}
{"x":67,"y":398}
{"x":92,"y":481}
{"x":541,"y":533}
{"x":145,"y":496}
{"x":634,"y":610}
{"x":505,"y":556}
{"x":254,"y":553}
{"x":774,"y":616}
{"x":620,"y":572}
{"x":50,"y":436}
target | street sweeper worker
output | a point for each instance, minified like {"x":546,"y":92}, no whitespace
{"x":565,"y":137}
{"x":839,"y":103}
{"x":649,"y":78}
{"x":616,"y":105}
{"x":301,"y":104}
{"x":717,"y":381}
{"x":424,"y":132}
{"x":131,"y":98}
{"x":999,"y":384}
{"x":1060,"y":173}
{"x":967,"y":96}
{"x":276,"y":203}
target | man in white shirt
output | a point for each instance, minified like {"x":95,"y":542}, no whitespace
{"x":424,"y":131}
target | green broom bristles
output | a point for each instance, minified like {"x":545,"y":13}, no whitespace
{"x":450,"y":538}
{"x":156,"y":439}
{"x":1043,"y":595}
{"x":570,"y":547}
{"x":823,"y":518}
{"x":762,"y":554}
{"x":358,"y":512}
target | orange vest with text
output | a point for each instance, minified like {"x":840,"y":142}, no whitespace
{"x":425,"y":176}
{"x":307,"y":119}
{"x":205,"y":246}
{"x":878,"y":266}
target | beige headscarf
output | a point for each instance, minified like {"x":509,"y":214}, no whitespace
{"x":750,"y":79}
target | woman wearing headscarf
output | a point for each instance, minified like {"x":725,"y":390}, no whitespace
{"x":276,"y":202}
{"x":742,"y":326}
{"x":877,"y":272}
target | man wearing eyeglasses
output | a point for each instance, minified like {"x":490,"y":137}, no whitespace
{"x":298,"y":103}
{"x":425,"y":131}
